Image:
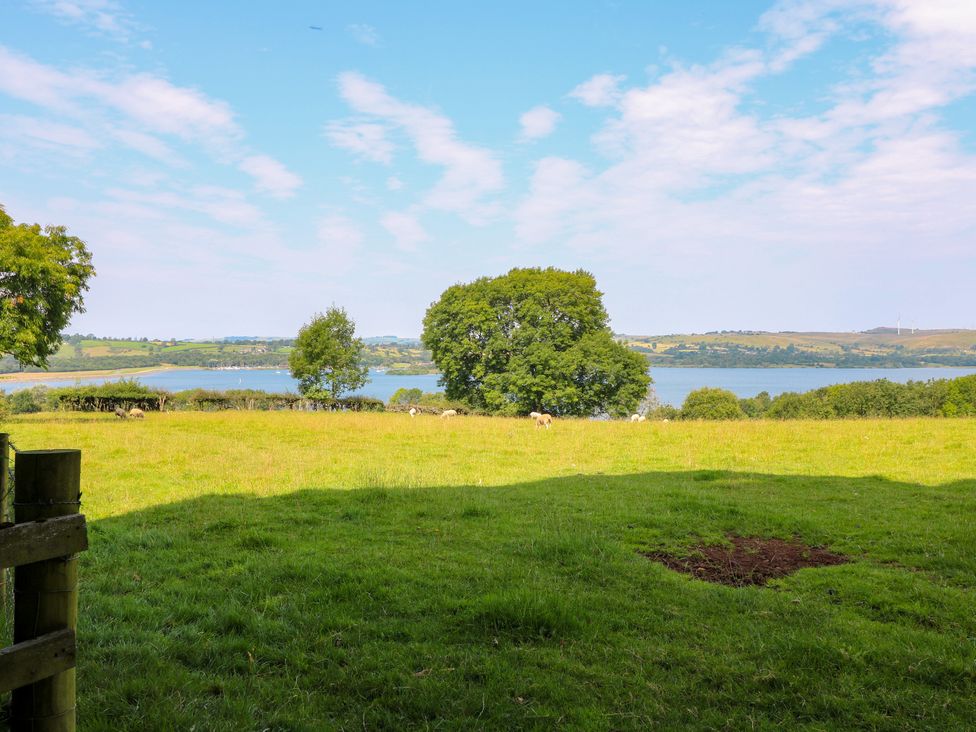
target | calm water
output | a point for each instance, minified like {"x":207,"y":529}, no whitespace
{"x":672,"y":385}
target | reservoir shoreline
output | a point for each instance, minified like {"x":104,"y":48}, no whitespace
{"x":671,"y":384}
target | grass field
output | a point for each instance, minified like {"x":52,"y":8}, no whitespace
{"x":338,"y":571}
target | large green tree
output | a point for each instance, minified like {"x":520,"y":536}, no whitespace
{"x":44,"y":274}
{"x":533,"y":340}
{"x":328,"y":358}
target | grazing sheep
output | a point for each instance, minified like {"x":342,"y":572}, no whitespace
{"x":665,"y":420}
{"x":448,"y":413}
{"x":642,"y":418}
{"x":137,"y":413}
{"x":544,"y":420}
{"x":535,"y":415}
{"x":635,"y":418}
{"x":120,"y":413}
{"x":413,"y":412}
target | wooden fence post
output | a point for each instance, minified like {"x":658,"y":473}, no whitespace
{"x":4,"y":502}
{"x":46,"y":593}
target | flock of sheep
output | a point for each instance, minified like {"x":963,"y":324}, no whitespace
{"x":541,"y":419}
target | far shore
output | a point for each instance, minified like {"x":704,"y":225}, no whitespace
{"x":71,"y":375}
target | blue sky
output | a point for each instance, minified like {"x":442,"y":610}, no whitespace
{"x":801,"y":165}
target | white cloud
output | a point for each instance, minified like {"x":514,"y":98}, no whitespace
{"x":103,"y":17}
{"x":164,"y":107}
{"x":538,"y":122}
{"x":45,"y":133}
{"x":139,"y":111}
{"x":602,"y":90}
{"x":155,"y":103}
{"x":270,"y":176}
{"x":365,"y":34}
{"x":471,"y":173}
{"x":697,"y":176}
{"x":149,"y":145}
{"x":364,"y":139}
{"x":405,"y":229}
{"x":223,"y":205}
{"x":393,"y":183}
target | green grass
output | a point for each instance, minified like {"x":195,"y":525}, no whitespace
{"x":318,"y":571}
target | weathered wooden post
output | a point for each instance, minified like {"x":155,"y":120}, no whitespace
{"x":4,"y":503}
{"x":46,"y":593}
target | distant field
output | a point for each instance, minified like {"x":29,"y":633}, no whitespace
{"x":309,"y":571}
{"x":874,"y":348}
{"x":87,"y":354}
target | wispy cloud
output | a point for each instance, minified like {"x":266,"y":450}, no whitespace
{"x":405,"y":230}
{"x":697,"y":174}
{"x":365,"y":139}
{"x":138,"y":111}
{"x":270,"y":176}
{"x":23,"y":129}
{"x":601,"y":90}
{"x":103,"y":17}
{"x":538,"y":122}
{"x":340,"y":240}
{"x":223,"y":205}
{"x":363,"y":33}
{"x":471,"y":173}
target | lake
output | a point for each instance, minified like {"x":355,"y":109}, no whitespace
{"x":671,"y":384}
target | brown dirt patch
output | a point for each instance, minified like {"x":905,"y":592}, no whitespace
{"x":748,"y":561}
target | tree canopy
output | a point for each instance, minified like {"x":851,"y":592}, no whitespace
{"x":44,"y":274}
{"x":533,"y":340}
{"x":712,"y":403}
{"x":328,"y":358}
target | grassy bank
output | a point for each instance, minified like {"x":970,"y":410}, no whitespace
{"x":309,"y":571}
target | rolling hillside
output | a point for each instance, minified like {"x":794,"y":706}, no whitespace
{"x":880,"y":347}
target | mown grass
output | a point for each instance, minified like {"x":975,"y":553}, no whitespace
{"x":309,"y":571}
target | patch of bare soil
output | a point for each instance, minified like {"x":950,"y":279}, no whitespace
{"x":748,"y":561}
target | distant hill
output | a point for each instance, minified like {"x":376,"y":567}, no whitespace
{"x":878,"y":347}
{"x":88,"y":353}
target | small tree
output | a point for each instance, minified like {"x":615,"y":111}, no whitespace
{"x":328,"y":358}
{"x":709,"y":403}
{"x":44,"y":274}
{"x":403,"y":396}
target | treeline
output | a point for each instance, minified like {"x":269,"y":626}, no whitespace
{"x":735,"y":355}
{"x":881,"y":398}
{"x":128,"y":394}
{"x":192,"y":357}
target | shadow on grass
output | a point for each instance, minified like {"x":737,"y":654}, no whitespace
{"x":528,"y":606}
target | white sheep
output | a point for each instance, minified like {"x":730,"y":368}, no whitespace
{"x":448,"y":413}
{"x":137,"y":413}
{"x":544,"y":420}
{"x":635,"y":418}
{"x":642,"y":418}
{"x":413,"y":412}
{"x":535,"y":415}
